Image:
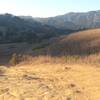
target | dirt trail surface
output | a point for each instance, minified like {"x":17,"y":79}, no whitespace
{"x":50,"y":82}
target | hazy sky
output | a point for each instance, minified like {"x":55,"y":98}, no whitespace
{"x":47,"y":8}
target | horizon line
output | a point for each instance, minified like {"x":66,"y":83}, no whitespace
{"x":50,"y":16}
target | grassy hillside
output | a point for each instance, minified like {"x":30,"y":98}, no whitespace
{"x":76,"y":44}
{"x":79,"y":43}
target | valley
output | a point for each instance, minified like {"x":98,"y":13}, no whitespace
{"x":56,"y":58}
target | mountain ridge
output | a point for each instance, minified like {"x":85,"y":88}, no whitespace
{"x":75,"y":21}
{"x":16,"y":29}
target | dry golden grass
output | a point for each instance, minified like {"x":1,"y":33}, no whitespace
{"x":50,"y":82}
{"x":48,"y":78}
{"x":93,"y":59}
{"x":81,"y":43}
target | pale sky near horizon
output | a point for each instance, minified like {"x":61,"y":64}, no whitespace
{"x":47,"y":8}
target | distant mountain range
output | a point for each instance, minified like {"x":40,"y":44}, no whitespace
{"x":29,"y":29}
{"x":73,"y":21}
{"x":17,"y":29}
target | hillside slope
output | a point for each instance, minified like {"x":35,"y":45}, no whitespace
{"x":79,"y":43}
{"x":15,"y":29}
